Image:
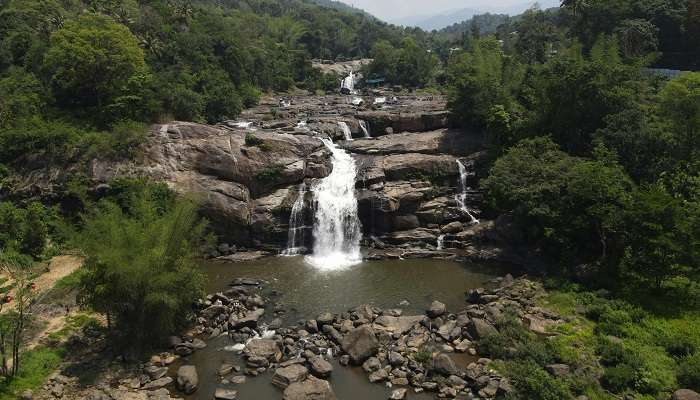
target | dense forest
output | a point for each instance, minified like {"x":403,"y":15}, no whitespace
{"x":592,"y":152}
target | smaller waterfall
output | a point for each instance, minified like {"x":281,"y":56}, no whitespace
{"x":295,"y":236}
{"x":441,"y":242}
{"x":461,"y":197}
{"x":365,"y":129}
{"x":348,"y":84}
{"x":346,"y":130}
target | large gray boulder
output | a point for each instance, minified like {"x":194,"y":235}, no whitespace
{"x":310,"y":389}
{"x":360,"y":344}
{"x":187,"y":379}
{"x":320,"y":367}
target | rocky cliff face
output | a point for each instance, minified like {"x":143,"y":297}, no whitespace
{"x":247,"y":172}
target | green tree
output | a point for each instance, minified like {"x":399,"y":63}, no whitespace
{"x":680,"y":103}
{"x":91,"y":61}
{"x":140,"y":267}
{"x":22,"y":97}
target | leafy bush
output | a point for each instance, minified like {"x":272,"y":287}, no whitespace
{"x":619,"y":378}
{"x":532,"y":382}
{"x":252,"y":140}
{"x":689,"y":372}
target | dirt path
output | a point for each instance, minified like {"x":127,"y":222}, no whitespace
{"x":59,"y":268}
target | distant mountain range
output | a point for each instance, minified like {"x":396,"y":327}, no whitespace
{"x":448,"y":18}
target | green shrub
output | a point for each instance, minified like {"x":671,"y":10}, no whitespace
{"x":689,"y":372}
{"x":532,"y":382}
{"x":611,"y":352}
{"x":619,"y":378}
{"x":37,"y":365}
{"x":252,"y":140}
{"x":269,"y":174}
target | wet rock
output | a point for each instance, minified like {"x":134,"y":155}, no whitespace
{"x":320,"y":368}
{"x":436,"y":309}
{"x":398,"y":394}
{"x":452,"y":228}
{"x":284,"y":377}
{"x":324,"y":319}
{"x":685,"y":394}
{"x":187,"y":379}
{"x":360,"y":344}
{"x":310,"y":389}
{"x":379,"y":376}
{"x":263,"y":348}
{"x":27,"y":395}
{"x":248,"y":320}
{"x":372,"y":364}
{"x":225,"y":394}
{"x":443,"y":364}
{"x":238,"y":380}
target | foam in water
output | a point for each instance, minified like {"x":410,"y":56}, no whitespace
{"x":346,"y":130}
{"x":243,"y":125}
{"x":295,"y":236}
{"x":365,"y":129}
{"x":337,"y":228}
{"x":462,"y":196}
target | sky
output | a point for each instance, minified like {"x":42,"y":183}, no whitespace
{"x":389,"y":10}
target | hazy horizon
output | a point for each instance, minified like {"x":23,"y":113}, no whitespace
{"x":395,"y":10}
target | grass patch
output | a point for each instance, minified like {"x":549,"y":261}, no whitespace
{"x":71,"y":281}
{"x":74,"y":323}
{"x":37,"y":365}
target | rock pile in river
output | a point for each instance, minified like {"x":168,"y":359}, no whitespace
{"x":404,"y":351}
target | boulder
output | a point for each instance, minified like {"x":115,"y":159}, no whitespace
{"x":436,"y":309}
{"x":320,"y":368}
{"x":187,"y":379}
{"x":284,"y":377}
{"x":685,"y":394}
{"x":248,"y":320}
{"x":479,"y":329}
{"x":310,"y":389}
{"x":158,"y":383}
{"x":379,"y":376}
{"x":360,"y":344}
{"x":263,"y":348}
{"x":452,"y":228}
{"x":406,"y":166}
{"x":225,"y":394}
{"x":443,"y":364}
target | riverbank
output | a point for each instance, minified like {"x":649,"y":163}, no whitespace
{"x":504,"y":336}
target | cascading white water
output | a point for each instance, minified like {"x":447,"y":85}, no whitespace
{"x":365,"y":129}
{"x":346,"y":130}
{"x":348,"y":84}
{"x":295,"y":241}
{"x":462,"y":196}
{"x":337,"y":228}
{"x":441,"y":242}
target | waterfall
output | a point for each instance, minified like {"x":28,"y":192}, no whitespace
{"x":296,"y":225}
{"x":365,"y":129}
{"x":348,"y":84}
{"x":441,"y":242}
{"x":346,"y":130}
{"x":461,"y":197}
{"x":337,"y":229}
